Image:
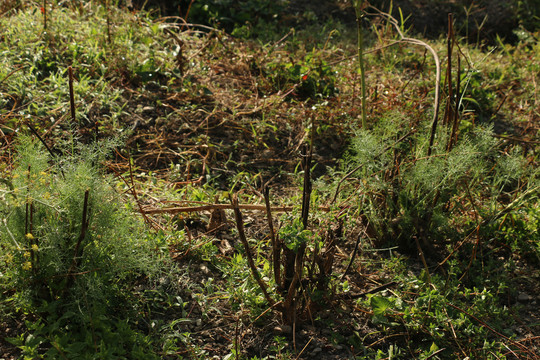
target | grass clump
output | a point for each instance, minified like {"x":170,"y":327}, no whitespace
{"x":71,"y":254}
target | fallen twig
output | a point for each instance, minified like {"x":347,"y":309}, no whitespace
{"x":403,"y":38}
{"x":176,"y":210}
{"x":372,"y":291}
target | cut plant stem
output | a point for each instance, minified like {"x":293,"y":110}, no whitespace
{"x":359,"y":8}
{"x":276,"y":249}
{"x":306,"y":161}
{"x":352,"y":257}
{"x":29,"y":224}
{"x":77,"y":257}
{"x":27,"y":212}
{"x":71,"y":93}
{"x":243,"y":239}
{"x":84,"y":226}
{"x":421,"y":254}
{"x":455,"y":124}
{"x":44,"y":10}
{"x":289,"y":306}
{"x":450,"y":46}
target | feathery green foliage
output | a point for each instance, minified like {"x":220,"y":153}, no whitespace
{"x":73,"y":259}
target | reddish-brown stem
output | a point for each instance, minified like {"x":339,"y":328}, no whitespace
{"x":27,"y":212}
{"x":71,"y":93}
{"x":187,"y":14}
{"x":275,"y":245}
{"x":77,"y":254}
{"x":306,"y":161}
{"x":28,"y":226}
{"x":82,"y":235}
{"x":455,"y":125}
{"x":44,"y":15}
{"x":289,"y":307}
{"x":449,"y":104}
{"x":243,"y":239}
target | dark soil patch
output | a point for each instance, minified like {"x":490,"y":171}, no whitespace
{"x":10,"y":328}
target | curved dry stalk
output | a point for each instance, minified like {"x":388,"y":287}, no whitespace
{"x":413,"y":41}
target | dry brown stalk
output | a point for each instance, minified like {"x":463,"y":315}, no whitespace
{"x":450,"y":47}
{"x":133,"y":191}
{"x":307,"y":153}
{"x":289,"y":306}
{"x":276,"y":250}
{"x":71,"y":93}
{"x":84,"y":226}
{"x":77,"y":253}
{"x":243,"y":239}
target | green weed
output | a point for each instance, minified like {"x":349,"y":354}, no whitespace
{"x":310,"y":77}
